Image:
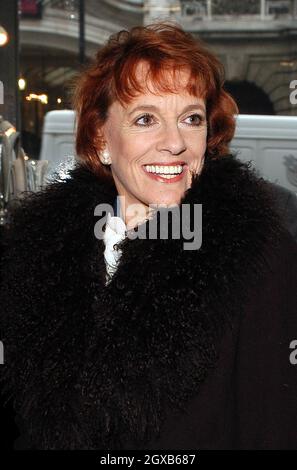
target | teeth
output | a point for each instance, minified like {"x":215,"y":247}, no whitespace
{"x":164,"y":170}
{"x":168,"y":177}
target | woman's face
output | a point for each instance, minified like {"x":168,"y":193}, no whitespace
{"x":153,"y":143}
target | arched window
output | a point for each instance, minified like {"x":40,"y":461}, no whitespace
{"x":250,"y":98}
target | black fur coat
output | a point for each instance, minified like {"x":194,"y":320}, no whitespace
{"x":183,"y":349}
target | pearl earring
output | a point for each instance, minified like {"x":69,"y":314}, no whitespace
{"x":106,"y":157}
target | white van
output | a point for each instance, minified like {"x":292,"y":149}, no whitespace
{"x":269,"y":141}
{"x":58,"y":136}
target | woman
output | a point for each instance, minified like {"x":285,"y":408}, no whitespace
{"x":178,"y":348}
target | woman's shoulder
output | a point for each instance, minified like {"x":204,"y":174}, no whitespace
{"x":272,"y":305}
{"x":283,"y":257}
{"x":32,"y":206}
{"x":59,"y":208}
{"x":34,"y":221}
{"x":286,"y":206}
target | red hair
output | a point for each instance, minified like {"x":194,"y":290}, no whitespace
{"x":164,"y":47}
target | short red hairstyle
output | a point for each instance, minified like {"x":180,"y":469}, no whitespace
{"x":164,"y":47}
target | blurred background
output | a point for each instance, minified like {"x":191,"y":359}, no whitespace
{"x":44,"y":44}
{"x":255,"y":39}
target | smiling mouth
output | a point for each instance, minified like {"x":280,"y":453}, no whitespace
{"x":169,"y":172}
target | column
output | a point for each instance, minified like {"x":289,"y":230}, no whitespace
{"x":161,"y":10}
{"x":9,"y":60}
{"x":263,"y":9}
{"x":209,"y":10}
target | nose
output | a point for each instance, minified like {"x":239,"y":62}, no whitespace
{"x":171,"y":140}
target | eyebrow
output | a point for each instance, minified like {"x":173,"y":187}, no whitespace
{"x":149,"y":107}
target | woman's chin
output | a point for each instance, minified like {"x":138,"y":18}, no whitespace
{"x":168,"y":199}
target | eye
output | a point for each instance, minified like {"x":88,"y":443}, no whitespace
{"x":194,"y":119}
{"x":145,"y":120}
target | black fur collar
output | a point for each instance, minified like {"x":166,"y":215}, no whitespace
{"x":95,"y":367}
